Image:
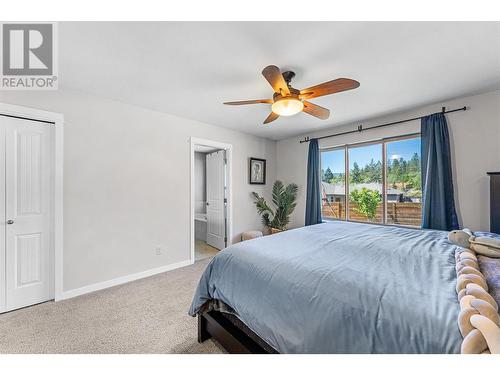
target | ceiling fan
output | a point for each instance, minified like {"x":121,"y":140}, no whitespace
{"x":288,"y":101}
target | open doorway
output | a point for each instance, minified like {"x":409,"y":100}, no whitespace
{"x":210,"y":198}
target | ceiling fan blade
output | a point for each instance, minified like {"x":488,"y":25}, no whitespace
{"x":330,"y":87}
{"x":275,"y":78}
{"x":241,"y":102}
{"x":316,"y":110}
{"x":272,"y":116}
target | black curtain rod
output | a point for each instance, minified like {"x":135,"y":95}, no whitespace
{"x":360,"y":127}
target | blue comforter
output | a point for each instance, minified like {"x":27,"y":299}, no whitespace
{"x":341,"y":287}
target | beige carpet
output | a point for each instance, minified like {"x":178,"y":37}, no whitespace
{"x":144,"y":316}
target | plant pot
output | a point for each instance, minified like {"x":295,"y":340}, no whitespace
{"x":275,"y":230}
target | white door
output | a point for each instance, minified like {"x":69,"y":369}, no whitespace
{"x":216,"y":223}
{"x":27,"y":216}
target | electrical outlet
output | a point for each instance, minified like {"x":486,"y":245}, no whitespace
{"x":158,"y":250}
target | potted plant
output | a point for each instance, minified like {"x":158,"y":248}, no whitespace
{"x":284,"y":198}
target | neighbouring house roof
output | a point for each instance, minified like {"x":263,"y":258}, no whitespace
{"x":338,"y":189}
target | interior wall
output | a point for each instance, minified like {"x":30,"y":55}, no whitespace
{"x":127,"y":183}
{"x":126,"y":175}
{"x":200,"y":175}
{"x":475,"y":141}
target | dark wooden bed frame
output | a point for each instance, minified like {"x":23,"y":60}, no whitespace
{"x":231,"y":333}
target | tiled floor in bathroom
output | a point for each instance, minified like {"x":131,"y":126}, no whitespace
{"x":204,"y":250}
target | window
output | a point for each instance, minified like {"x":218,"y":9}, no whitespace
{"x":365,"y":183}
{"x":383,"y":182}
{"x":333,"y":183}
{"x":403,"y":187}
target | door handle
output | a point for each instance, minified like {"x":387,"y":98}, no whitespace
{"x":10,"y":221}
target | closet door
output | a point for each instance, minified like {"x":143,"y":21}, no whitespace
{"x":3,"y":223}
{"x":28,"y":217}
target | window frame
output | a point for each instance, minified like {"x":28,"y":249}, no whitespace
{"x":346,"y":146}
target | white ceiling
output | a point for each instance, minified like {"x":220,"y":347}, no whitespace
{"x":189,"y":68}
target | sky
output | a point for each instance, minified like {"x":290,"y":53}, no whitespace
{"x":363,"y":154}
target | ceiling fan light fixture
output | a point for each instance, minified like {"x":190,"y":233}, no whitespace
{"x":288,"y":101}
{"x":287,"y":106}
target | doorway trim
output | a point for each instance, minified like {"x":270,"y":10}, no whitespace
{"x":229,"y":157}
{"x":57,"y":149}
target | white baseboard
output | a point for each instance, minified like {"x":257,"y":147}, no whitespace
{"x":121,"y":280}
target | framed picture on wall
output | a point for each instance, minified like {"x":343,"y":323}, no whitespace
{"x":257,"y":171}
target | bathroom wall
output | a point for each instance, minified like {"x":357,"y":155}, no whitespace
{"x":200,"y":174}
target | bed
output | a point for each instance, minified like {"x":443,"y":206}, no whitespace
{"x":335,"y":287}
